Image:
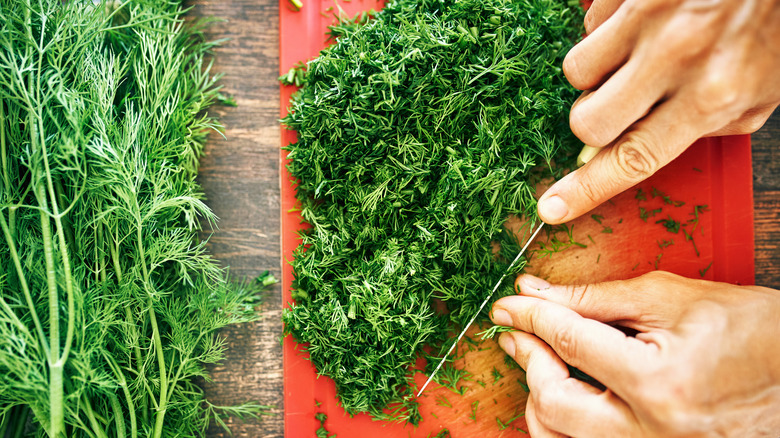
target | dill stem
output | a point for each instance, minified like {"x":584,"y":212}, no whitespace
{"x":163,"y":404}
{"x":63,"y":247}
{"x":4,"y":422}
{"x":21,"y":415}
{"x":4,"y":163}
{"x":119,"y":417}
{"x":99,"y":432}
{"x":131,"y":324}
{"x":56,"y":395}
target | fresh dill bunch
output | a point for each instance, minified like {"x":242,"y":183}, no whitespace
{"x":419,"y":133}
{"x":109,"y":303}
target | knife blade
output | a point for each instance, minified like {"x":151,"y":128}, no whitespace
{"x":487,"y":299}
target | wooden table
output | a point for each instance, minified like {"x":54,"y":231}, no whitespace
{"x":240,"y":175}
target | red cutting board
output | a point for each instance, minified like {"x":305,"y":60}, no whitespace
{"x":715,"y":172}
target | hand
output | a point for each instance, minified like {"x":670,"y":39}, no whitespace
{"x":663,"y":73}
{"x":705,"y":361}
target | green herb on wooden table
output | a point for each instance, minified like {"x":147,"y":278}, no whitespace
{"x":109,"y":302}
{"x":419,"y":133}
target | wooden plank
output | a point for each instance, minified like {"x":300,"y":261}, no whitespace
{"x":240,"y":176}
{"x":766,"y":196}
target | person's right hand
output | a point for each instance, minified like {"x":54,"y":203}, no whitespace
{"x":662,"y":73}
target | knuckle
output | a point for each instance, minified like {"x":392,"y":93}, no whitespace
{"x":753,"y":123}
{"x":656,"y":277}
{"x":715,"y":93}
{"x":590,"y":22}
{"x":547,"y":404}
{"x":565,"y":344}
{"x":573,"y":72}
{"x":582,"y":125}
{"x":671,"y":400}
{"x":635,"y":161}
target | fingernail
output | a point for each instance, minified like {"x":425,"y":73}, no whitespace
{"x":531,"y":282}
{"x":507,"y":343}
{"x":501,"y":317}
{"x":553,"y":209}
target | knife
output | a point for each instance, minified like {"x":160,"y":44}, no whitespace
{"x":443,"y":359}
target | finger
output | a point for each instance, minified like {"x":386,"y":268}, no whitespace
{"x":560,"y":403}
{"x":751,"y":121}
{"x":653,"y":300}
{"x":597,"y":349}
{"x":598,"y":55}
{"x":535,"y":428}
{"x":650,"y":144}
{"x":599,"y":117}
{"x":599,"y":12}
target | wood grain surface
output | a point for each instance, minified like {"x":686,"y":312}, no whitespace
{"x":240,"y":176}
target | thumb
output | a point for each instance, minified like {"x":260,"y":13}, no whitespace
{"x":614,"y":169}
{"x":637,"y":154}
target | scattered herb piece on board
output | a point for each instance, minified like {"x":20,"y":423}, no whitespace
{"x":670,"y":224}
{"x":703,"y":272}
{"x":474,"y":407}
{"x":497,"y":375}
{"x":109,"y":301}
{"x":321,"y":431}
{"x":419,"y":133}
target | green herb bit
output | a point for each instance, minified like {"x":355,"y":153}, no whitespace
{"x":668,"y":200}
{"x":597,"y":217}
{"x":657,"y":193}
{"x":666,"y":243}
{"x":523,"y":385}
{"x":607,"y":230}
{"x":444,"y":433}
{"x":635,"y":266}
{"x":591,"y":239}
{"x":598,"y":258}
{"x":703,"y":272}
{"x":689,"y":237}
{"x":496,"y":375}
{"x":620,"y":221}
{"x":670,"y":224}
{"x":491,"y":332}
{"x":640,"y":195}
{"x":555,"y":243}
{"x":696,"y":169}
{"x":504,"y":425}
{"x":644,"y":214}
{"x":511,"y":363}
{"x":322,"y":432}
{"x":474,"y":407}
{"x":441,"y":400}
{"x":658,"y":260}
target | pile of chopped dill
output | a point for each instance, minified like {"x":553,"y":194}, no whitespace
{"x":419,"y":133}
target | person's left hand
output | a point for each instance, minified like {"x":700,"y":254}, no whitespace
{"x":705,"y":361}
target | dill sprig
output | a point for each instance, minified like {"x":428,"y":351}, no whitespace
{"x":419,"y":132}
{"x":109,"y":303}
